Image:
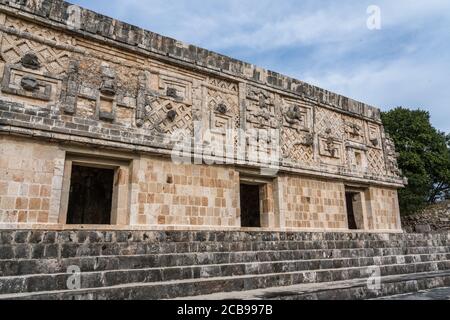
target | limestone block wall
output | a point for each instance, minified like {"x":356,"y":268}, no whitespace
{"x":184,"y":195}
{"x":383,"y":206}
{"x":312,"y":204}
{"x":30,"y":181}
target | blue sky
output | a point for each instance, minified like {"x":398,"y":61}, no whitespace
{"x":326,"y":43}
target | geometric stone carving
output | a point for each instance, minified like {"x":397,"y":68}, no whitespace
{"x":175,"y":88}
{"x":29,"y":83}
{"x":31,"y":54}
{"x":223,"y":110}
{"x":374,"y":136}
{"x":141,"y":99}
{"x":329,"y":122}
{"x":357,"y":159}
{"x":298,"y":147}
{"x":297,"y":117}
{"x":261,"y":108}
{"x":166,"y":116}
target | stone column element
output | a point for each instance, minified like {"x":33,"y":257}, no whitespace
{"x":72,"y":88}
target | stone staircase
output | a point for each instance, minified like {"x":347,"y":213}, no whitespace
{"x":218,"y":265}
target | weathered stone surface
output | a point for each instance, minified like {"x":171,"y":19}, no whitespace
{"x":239,"y":261}
{"x":87,"y":88}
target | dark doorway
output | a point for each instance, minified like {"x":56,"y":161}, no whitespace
{"x":90,"y":197}
{"x":250,"y":206}
{"x":349,"y":197}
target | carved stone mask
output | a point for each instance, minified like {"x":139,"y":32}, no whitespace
{"x":30,"y":61}
{"x":29,"y":83}
{"x":108,"y":86}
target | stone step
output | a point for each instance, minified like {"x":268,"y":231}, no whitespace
{"x":103,"y":263}
{"x":70,"y":250}
{"x":355,"y":289}
{"x":201,"y":286}
{"x":94,"y":236}
{"x":326,"y":270}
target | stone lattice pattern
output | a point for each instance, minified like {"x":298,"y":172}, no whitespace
{"x":157,"y":116}
{"x":54,"y":60}
{"x":327,"y":119}
{"x":376,"y":161}
{"x":294,"y":148}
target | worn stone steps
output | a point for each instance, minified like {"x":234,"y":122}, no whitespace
{"x":85,"y":237}
{"x":355,"y":289}
{"x":164,"y":265}
{"x":104,"y":263}
{"x":201,"y":286}
{"x":323,"y":270}
{"x":70,"y":250}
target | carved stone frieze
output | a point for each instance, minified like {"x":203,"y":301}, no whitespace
{"x":391,"y":157}
{"x":261,"y":110}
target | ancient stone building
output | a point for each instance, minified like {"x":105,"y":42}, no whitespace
{"x":105,"y":124}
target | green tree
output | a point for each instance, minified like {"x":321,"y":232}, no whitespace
{"x":424,"y":157}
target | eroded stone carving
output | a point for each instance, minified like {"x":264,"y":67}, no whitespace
{"x":30,"y":61}
{"x":106,"y":101}
{"x":72,"y":88}
{"x":221,"y":108}
{"x":330,"y":147}
{"x":391,"y":157}
{"x":29,"y":83}
{"x":141,"y":99}
{"x":353,"y":130}
{"x":261,"y":108}
{"x":172,"y":93}
{"x":374,"y":135}
{"x":108,"y":86}
{"x":166,"y":116}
